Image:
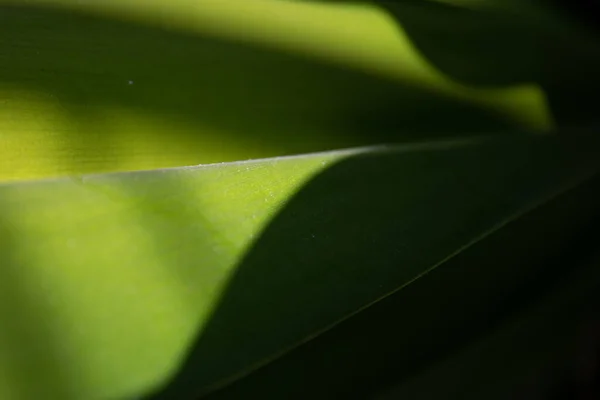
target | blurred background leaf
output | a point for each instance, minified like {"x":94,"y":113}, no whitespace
{"x":502,"y":43}
{"x":123,"y":85}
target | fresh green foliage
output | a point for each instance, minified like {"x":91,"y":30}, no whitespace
{"x":450,"y":253}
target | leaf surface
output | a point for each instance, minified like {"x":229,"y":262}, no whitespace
{"x":116,"y":283}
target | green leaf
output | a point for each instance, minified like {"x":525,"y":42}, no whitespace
{"x":449,"y":299}
{"x":503,"y":43}
{"x":384,"y":270}
{"x":115,"y":284}
{"x":99,"y":86}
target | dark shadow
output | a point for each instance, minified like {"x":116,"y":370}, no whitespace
{"x":349,"y":236}
{"x":495,"y":45}
{"x":490,"y":46}
{"x":586,"y":11}
{"x":228,"y":91}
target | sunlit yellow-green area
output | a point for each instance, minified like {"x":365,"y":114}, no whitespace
{"x":100,"y":291}
{"x":97,"y":86}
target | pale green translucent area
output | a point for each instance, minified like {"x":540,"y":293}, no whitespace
{"x":100,"y":293}
{"x":81,"y":95}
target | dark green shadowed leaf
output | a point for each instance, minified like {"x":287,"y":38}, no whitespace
{"x":398,"y":233}
{"x":532,"y":354}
